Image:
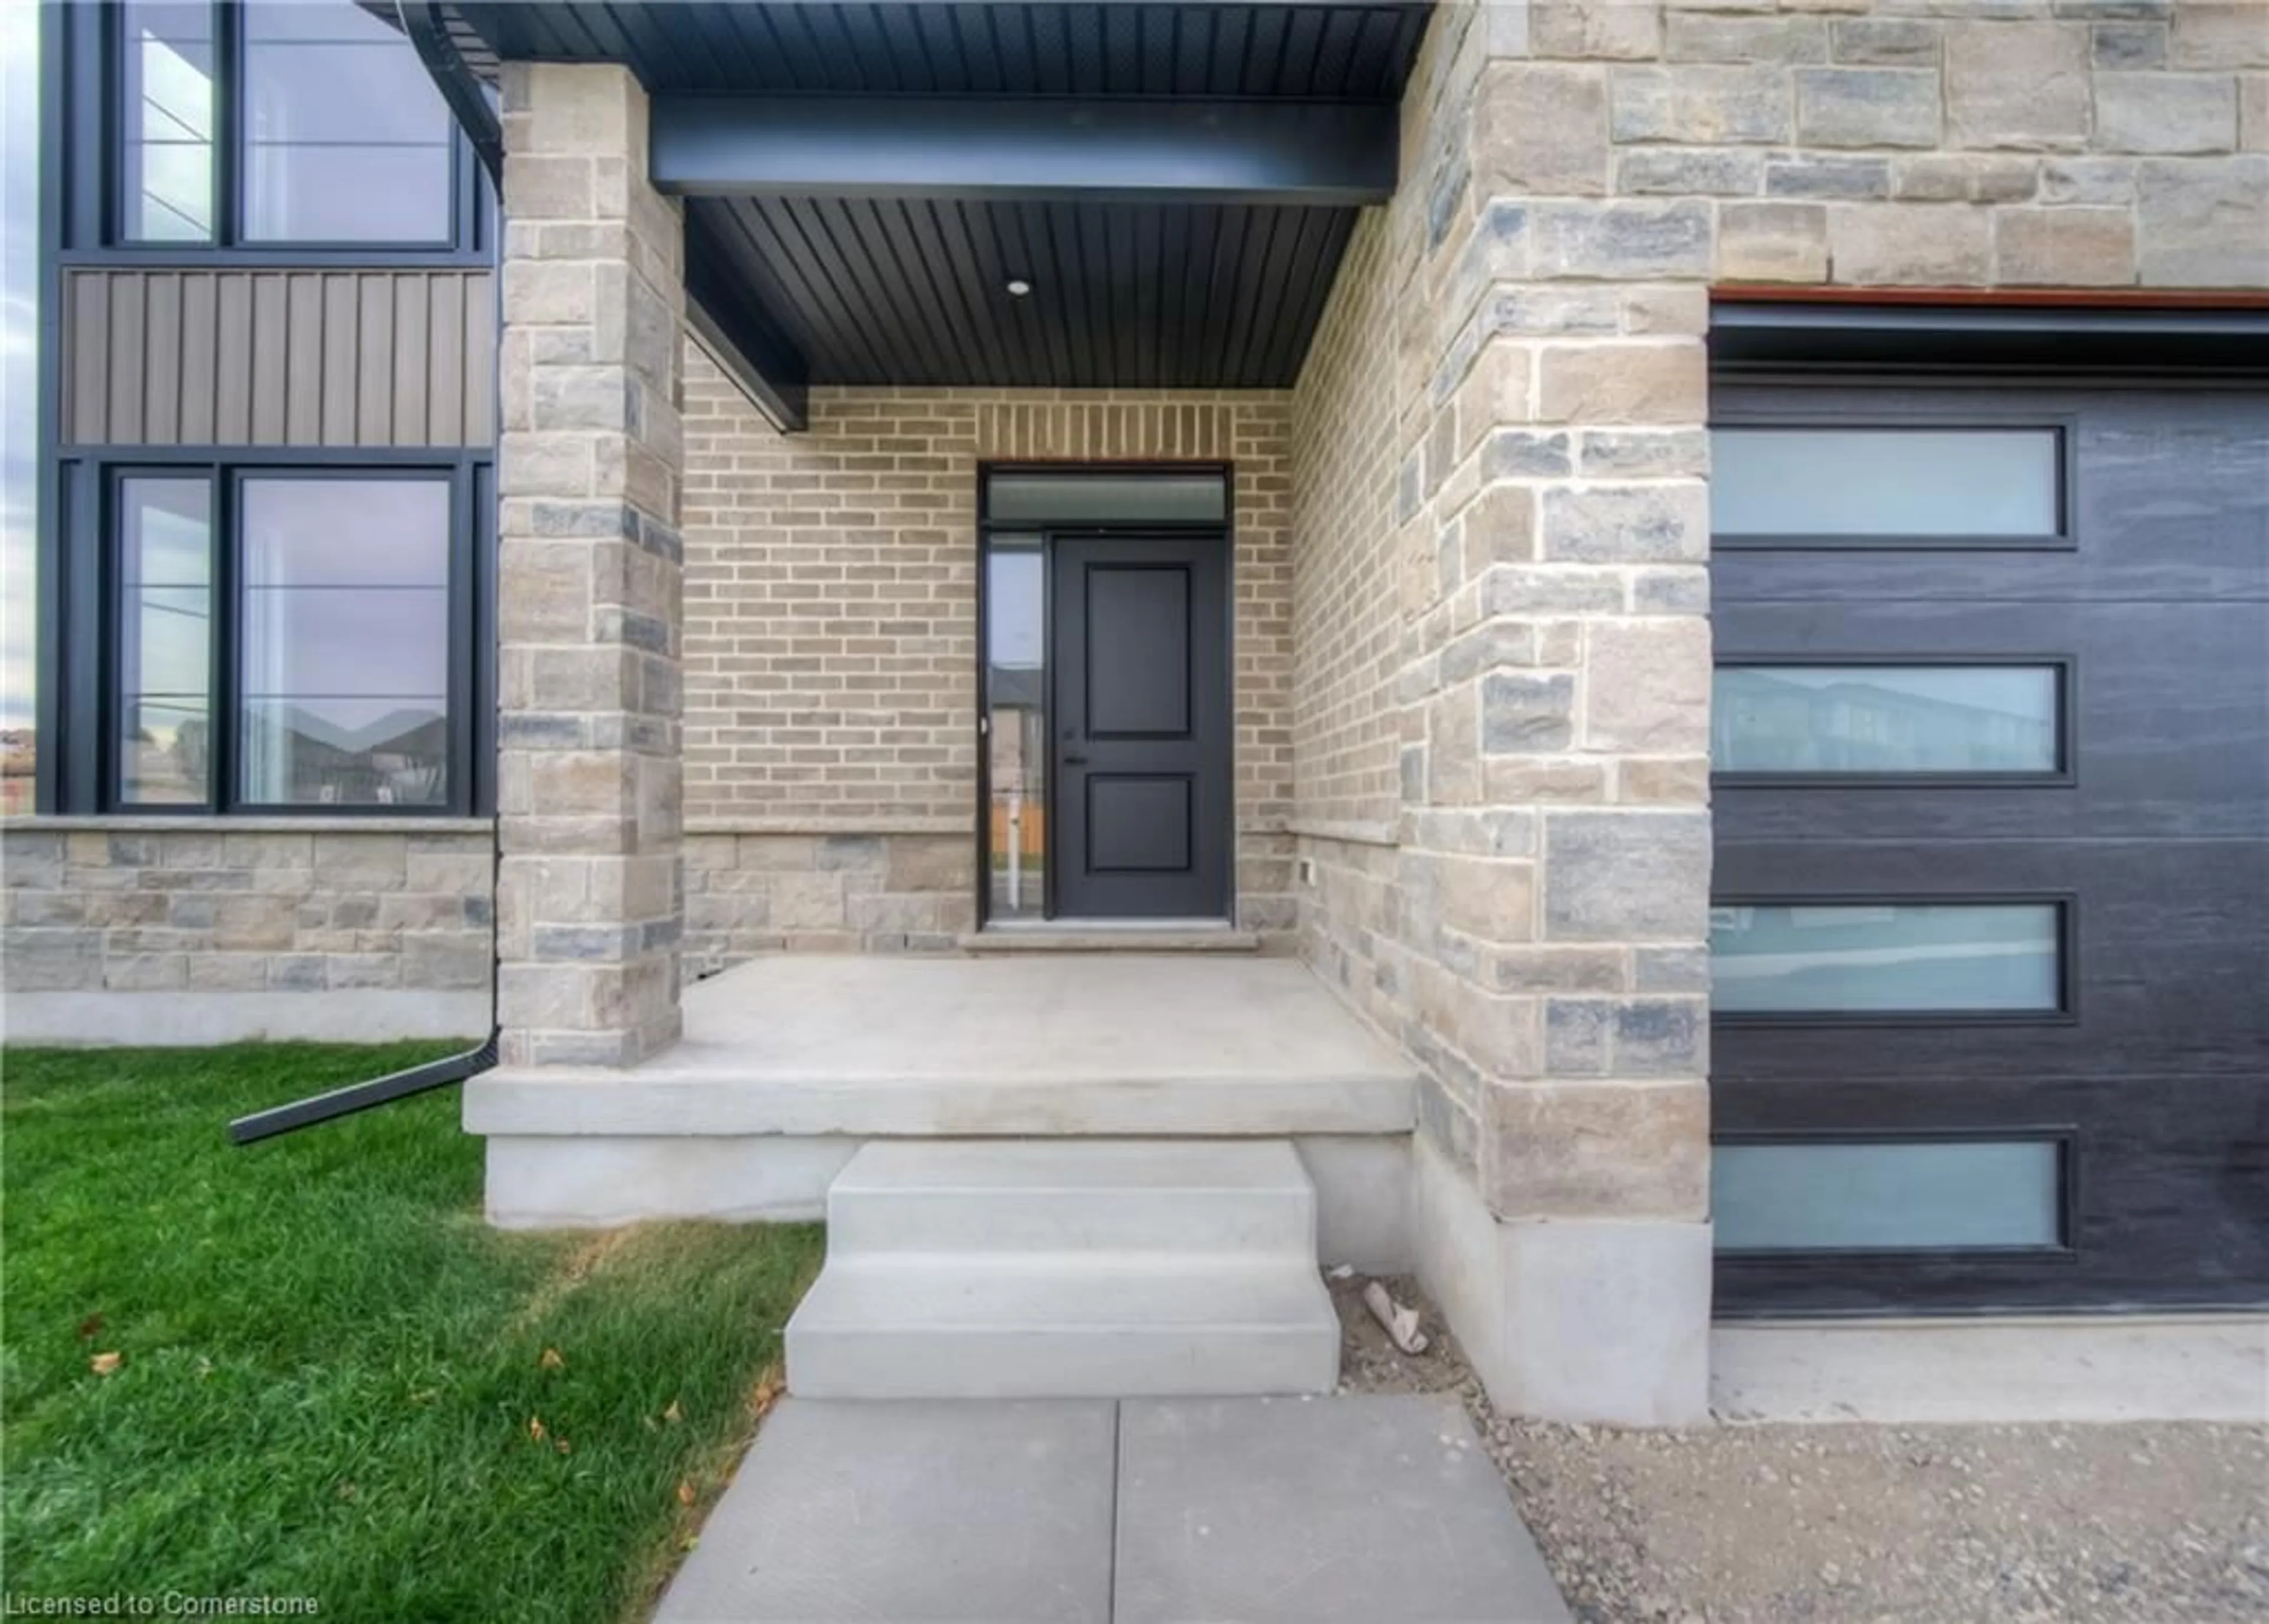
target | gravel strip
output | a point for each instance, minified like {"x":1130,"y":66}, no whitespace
{"x":1818,"y":1524}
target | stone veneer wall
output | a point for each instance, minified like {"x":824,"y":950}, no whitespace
{"x":589,"y":577}
{"x":831,"y":649}
{"x":1942,"y":143}
{"x":1500,"y":460}
{"x":127,"y":931}
{"x":1503,"y":654}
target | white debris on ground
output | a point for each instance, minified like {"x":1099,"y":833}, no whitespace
{"x":1863,"y":1525}
{"x":1401,"y":1324}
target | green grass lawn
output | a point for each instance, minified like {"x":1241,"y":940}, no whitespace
{"x":332,"y":1379}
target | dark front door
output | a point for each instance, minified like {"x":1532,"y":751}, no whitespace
{"x":1141,"y":714}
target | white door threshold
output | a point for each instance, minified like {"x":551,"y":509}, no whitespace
{"x":1109,"y":936}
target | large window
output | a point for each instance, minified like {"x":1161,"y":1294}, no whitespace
{"x":164,"y":645}
{"x":304,"y":123}
{"x":343,"y":642}
{"x":167,"y":64}
{"x":290,"y":637}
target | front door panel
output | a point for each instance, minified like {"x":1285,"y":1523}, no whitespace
{"x":1142,"y":815}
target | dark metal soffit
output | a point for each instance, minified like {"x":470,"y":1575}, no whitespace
{"x":1157,"y":261}
{"x":913,"y":291}
{"x":1340,"y":50}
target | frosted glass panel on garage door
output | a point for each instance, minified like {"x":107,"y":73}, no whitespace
{"x":1862,"y":718}
{"x":1860,"y":958}
{"x":1823,"y":1195}
{"x":1798,"y":482}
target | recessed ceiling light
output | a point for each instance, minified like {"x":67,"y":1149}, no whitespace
{"x":1018,"y":287}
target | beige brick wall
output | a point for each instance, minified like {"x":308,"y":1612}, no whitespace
{"x":256,"y":910}
{"x":831,"y":647}
{"x":1345,"y":630}
{"x":1348,"y":436}
{"x":1362,"y":410}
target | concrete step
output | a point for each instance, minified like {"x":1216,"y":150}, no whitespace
{"x":1066,"y":1268}
{"x":1249,"y":1198}
{"x":1063,"y":1325}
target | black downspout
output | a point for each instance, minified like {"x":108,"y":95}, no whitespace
{"x":362,"y":1096}
{"x":469,"y":100}
{"x":459,"y":86}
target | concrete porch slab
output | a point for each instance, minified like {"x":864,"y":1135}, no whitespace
{"x":1119,"y":1042}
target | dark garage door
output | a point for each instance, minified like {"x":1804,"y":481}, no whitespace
{"x":1992,"y":927}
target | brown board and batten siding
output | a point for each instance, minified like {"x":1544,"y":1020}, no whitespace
{"x":279,"y":358}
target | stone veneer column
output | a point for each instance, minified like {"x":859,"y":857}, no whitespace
{"x":590,"y":594}
{"x":1556,"y":834}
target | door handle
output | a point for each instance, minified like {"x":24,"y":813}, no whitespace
{"x":1074,"y":761}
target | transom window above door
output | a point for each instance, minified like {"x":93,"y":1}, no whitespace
{"x":1132,"y":498}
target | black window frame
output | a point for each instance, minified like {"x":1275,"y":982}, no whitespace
{"x":1888,"y":419}
{"x":1223,"y":469}
{"x":89,"y":49}
{"x":82,"y":777}
{"x":2064,"y":775}
{"x":2066,"y":1013}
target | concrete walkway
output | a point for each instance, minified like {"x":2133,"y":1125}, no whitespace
{"x":1370,"y":1511}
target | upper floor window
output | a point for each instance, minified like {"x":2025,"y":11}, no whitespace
{"x":308,"y":123}
{"x":168,"y":98}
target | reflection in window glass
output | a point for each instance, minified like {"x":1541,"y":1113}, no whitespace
{"x":345,"y":642}
{"x":19,"y":412}
{"x":1883,"y":482}
{"x":165,"y":650}
{"x":1884,"y":718}
{"x":168,"y":105}
{"x":346,"y":138}
{"x":1846,"y":958}
{"x":1015,"y":687}
{"x":1822,"y":1195}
